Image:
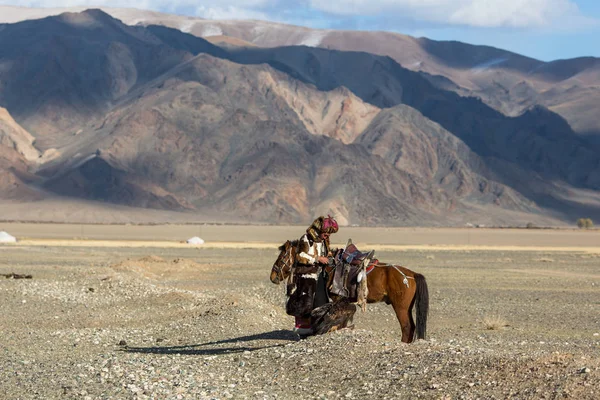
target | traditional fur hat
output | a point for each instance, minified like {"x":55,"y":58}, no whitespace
{"x":320,"y":225}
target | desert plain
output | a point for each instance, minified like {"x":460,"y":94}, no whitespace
{"x":133,"y":312}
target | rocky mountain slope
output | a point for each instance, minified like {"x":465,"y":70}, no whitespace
{"x":509,"y":82}
{"x":17,"y":157}
{"x":157,"y":118}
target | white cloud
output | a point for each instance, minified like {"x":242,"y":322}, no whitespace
{"x":210,"y":9}
{"x":482,"y":13}
{"x":140,"y":4}
{"x":143,"y":4}
{"x":516,"y":13}
{"x":228,"y":13}
{"x":557,"y":14}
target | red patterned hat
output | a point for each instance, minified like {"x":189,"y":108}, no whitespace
{"x":330,"y":225}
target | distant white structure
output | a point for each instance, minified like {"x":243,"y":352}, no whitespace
{"x":6,"y":238}
{"x":195,"y":240}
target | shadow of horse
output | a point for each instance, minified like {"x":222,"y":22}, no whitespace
{"x":216,"y":347}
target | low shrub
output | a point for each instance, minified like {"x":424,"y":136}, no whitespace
{"x":585,"y":223}
{"x":494,"y":323}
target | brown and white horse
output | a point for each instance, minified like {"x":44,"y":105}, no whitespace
{"x":393,"y":284}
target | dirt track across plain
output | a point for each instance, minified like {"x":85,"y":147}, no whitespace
{"x":257,"y":236}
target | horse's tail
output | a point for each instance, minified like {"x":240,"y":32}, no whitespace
{"x":422,"y":305}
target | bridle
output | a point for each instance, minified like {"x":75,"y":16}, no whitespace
{"x":286,"y":264}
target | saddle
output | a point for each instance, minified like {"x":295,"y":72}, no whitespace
{"x":349,"y":263}
{"x":353,"y":256}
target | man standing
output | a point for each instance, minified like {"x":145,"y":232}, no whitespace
{"x":309,"y":291}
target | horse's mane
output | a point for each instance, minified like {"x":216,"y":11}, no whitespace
{"x":294,"y":244}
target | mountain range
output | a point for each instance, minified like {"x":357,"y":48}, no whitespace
{"x":270,"y":123}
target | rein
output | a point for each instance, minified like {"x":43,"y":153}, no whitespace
{"x":287,"y":264}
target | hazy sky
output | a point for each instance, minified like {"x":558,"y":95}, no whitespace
{"x":543,"y":29}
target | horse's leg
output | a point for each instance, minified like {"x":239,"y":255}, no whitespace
{"x":402,"y":297}
{"x":404,"y":315}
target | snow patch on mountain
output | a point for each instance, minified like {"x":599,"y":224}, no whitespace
{"x":313,"y":39}
{"x":209,"y":30}
{"x":486,"y":65}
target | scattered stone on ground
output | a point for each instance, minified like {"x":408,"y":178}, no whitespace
{"x":176,"y":324}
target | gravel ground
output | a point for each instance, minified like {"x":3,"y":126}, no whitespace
{"x":155,"y":323}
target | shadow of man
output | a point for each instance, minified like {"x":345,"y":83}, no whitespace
{"x":220,"y":346}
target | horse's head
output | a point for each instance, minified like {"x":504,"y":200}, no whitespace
{"x":282,"y":267}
